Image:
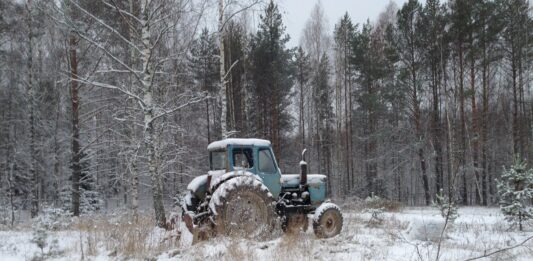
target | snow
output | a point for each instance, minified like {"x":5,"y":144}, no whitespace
{"x":222,"y":144}
{"x":200,"y":180}
{"x":410,"y":234}
{"x":294,"y":179}
{"x":220,"y":178}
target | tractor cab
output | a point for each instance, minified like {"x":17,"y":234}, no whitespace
{"x":250,"y":155}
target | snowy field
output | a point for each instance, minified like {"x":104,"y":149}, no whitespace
{"x":409,"y":234}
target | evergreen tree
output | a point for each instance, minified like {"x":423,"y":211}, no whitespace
{"x":409,"y":48}
{"x":432,"y":27}
{"x":271,"y":72}
{"x":302,"y":76}
{"x":324,"y":115}
{"x":344,"y":35}
{"x":234,"y":43}
{"x":370,"y":63}
{"x":515,"y":189}
{"x":204,"y":66}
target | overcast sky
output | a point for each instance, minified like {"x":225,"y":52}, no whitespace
{"x":296,"y":12}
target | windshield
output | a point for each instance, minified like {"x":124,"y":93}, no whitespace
{"x":218,"y":159}
{"x":266,"y":162}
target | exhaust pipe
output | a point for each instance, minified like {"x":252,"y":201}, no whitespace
{"x":303,"y":169}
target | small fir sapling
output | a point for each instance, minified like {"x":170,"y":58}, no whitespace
{"x":448,"y":207}
{"x":515,"y":188}
{"x":40,"y":236}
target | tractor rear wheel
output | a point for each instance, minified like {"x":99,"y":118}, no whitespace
{"x":327,"y":221}
{"x":243,"y":207}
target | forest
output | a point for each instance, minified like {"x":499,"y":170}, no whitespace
{"x":112,"y":103}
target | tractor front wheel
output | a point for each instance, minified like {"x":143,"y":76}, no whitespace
{"x":243,"y":207}
{"x":327,"y":221}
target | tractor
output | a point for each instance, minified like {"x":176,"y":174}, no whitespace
{"x":244,"y":194}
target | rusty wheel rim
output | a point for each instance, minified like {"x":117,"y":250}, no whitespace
{"x":329,"y":224}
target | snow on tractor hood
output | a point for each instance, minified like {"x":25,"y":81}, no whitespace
{"x":289,"y":180}
{"x":222,"y":144}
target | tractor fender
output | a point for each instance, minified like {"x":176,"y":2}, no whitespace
{"x":230,"y":175}
{"x":198,"y":186}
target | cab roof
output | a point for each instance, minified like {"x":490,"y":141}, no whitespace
{"x":222,"y":144}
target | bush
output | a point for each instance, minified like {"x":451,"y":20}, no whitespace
{"x":53,"y":219}
{"x":90,"y":200}
{"x":376,"y":202}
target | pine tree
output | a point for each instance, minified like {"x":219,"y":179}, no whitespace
{"x":271,"y":72}
{"x":303,"y":72}
{"x":515,"y":189}
{"x":324,"y":115}
{"x":343,"y":35}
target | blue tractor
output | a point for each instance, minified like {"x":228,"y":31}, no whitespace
{"x":245,"y":194}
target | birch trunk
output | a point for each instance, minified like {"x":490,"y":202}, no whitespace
{"x":149,"y":130}
{"x":223,"y":92}
{"x":133,"y":170}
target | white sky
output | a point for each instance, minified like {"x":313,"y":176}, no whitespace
{"x":296,"y":12}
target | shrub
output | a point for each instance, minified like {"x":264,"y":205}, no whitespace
{"x":376,"y":202}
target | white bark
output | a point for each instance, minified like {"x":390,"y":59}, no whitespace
{"x":133,"y":165}
{"x":222,"y":93}
{"x":149,"y":131}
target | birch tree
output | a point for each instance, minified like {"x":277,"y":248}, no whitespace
{"x":225,"y":14}
{"x":151,"y":29}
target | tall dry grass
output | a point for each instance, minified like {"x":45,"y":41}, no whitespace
{"x":123,"y":236}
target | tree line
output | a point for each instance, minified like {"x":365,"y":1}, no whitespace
{"x":112,"y":103}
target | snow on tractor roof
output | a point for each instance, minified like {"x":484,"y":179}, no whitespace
{"x":222,"y":144}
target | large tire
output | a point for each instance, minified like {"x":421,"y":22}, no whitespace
{"x":327,"y":221}
{"x":243,"y":207}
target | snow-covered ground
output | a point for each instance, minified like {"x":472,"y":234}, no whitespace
{"x":410,"y":234}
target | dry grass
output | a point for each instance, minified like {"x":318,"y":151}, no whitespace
{"x":122,"y":236}
{"x":385,"y":204}
{"x":295,"y":246}
{"x":238,"y":250}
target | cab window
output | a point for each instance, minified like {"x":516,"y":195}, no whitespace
{"x":242,"y":158}
{"x":266,"y":161}
{"x":218,"y":159}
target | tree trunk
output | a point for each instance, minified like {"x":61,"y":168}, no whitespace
{"x":419,"y":136}
{"x":223,"y":92}
{"x":462,"y":155}
{"x":76,"y":149}
{"x":484,"y":129}
{"x":437,"y":129}
{"x":134,"y":172}
{"x":34,"y":176}
{"x":149,"y":130}
{"x":475,"y":131}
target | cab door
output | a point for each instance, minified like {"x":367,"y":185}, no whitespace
{"x":268,"y":170}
